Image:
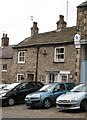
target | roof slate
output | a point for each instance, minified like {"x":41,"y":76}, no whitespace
{"x":84,"y":4}
{"x":63,"y":36}
{"x":6,"y":52}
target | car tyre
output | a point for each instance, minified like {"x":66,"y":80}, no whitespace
{"x":11,"y":101}
{"x":47,"y":103}
{"x":84,"y":105}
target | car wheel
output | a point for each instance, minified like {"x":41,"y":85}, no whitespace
{"x":84,"y":105}
{"x":47,"y":103}
{"x":11,"y":101}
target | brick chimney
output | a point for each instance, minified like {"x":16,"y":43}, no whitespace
{"x":61,"y":24}
{"x":4,"y":40}
{"x":34,"y":29}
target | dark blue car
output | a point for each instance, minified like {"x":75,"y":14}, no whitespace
{"x":46,"y":96}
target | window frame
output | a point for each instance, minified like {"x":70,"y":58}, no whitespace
{"x":24,"y":57}
{"x":21,"y":77}
{"x":51,"y":77}
{"x":64,"y":75}
{"x":56,"y":59}
{"x":4,"y":70}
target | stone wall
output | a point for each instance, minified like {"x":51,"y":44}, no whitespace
{"x":6,"y":75}
{"x":82,"y":21}
{"x":45,"y":62}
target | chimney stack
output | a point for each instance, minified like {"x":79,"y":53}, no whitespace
{"x":4,"y":40}
{"x":61,"y":24}
{"x":34,"y":29}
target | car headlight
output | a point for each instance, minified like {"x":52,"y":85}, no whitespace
{"x":74,"y":99}
{"x":32,"y":97}
{"x":37,"y":96}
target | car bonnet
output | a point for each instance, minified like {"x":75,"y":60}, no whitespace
{"x":71,"y":95}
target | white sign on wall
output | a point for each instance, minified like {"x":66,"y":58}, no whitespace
{"x":77,"y":41}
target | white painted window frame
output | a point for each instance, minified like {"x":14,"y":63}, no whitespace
{"x":20,"y":75}
{"x":56,"y":54}
{"x":55,"y":77}
{"x":23,"y":56}
{"x":65,"y":73}
{"x":4,"y":70}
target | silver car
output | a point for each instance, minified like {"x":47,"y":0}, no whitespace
{"x":75,"y":99}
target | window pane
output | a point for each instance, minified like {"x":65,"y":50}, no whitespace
{"x":62,"y":56}
{"x":70,"y":86}
{"x":21,"y":56}
{"x":64,"y":77}
{"x":20,"y":77}
{"x":62,"y":50}
{"x":59,"y":54}
{"x":4,"y":67}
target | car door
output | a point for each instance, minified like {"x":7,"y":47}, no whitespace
{"x":21,"y":91}
{"x":58,"y":90}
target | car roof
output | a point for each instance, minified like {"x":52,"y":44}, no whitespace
{"x":31,"y":81}
{"x":62,"y":82}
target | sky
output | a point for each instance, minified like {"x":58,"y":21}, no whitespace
{"x":15,"y":16}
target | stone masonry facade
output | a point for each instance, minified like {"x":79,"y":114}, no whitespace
{"x":40,"y":53}
{"x":45,"y":62}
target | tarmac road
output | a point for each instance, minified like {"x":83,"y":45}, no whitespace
{"x":21,"y":111}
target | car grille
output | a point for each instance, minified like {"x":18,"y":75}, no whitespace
{"x":64,"y":105}
{"x":64,"y":101}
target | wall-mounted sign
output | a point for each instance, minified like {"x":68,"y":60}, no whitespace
{"x":77,"y":41}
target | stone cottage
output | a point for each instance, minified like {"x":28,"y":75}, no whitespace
{"x":6,"y":55}
{"x":48,"y":57}
{"x":58,"y":55}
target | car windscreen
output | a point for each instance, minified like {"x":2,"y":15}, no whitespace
{"x":80,"y":88}
{"x":11,"y":86}
{"x":48,"y":87}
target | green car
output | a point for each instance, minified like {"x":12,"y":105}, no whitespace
{"x":46,"y":96}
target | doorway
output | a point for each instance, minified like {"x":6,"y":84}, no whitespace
{"x":30,"y":77}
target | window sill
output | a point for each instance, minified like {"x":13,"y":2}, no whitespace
{"x":4,"y":70}
{"x":21,"y":62}
{"x":59,"y":61}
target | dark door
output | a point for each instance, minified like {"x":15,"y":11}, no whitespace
{"x":30,"y":77}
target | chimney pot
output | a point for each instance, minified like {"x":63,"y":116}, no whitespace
{"x":61,"y":17}
{"x":4,"y":40}
{"x":34,"y":29}
{"x":61,"y":24}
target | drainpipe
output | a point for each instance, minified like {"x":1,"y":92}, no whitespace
{"x":37,"y":63}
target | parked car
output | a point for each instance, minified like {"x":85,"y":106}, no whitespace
{"x":2,"y":86}
{"x":75,"y":99}
{"x":9,"y":86}
{"x":17,"y":93}
{"x":46,"y":96}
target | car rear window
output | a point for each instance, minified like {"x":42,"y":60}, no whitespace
{"x":39,"y":84}
{"x":70,"y":86}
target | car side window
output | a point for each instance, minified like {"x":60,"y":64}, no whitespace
{"x":22,"y":86}
{"x":59,"y":87}
{"x":39,"y":85}
{"x":62,"y":87}
{"x":70,"y":86}
{"x":30,"y":85}
{"x":35,"y":85}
